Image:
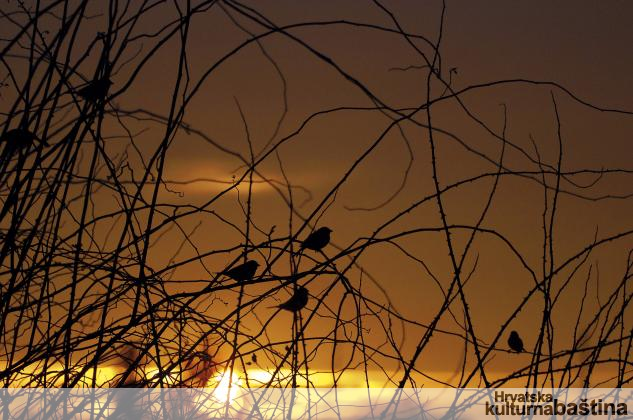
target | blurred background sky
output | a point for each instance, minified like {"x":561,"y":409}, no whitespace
{"x":581,"y":45}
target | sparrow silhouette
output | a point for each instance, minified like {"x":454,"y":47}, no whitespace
{"x":16,"y":140}
{"x":515,"y":342}
{"x":297,"y":301}
{"x":242,"y":272}
{"x":95,"y":90}
{"x":317,"y":239}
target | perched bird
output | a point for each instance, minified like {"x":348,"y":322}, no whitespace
{"x":317,"y":239}
{"x":95,"y":90}
{"x":242,"y":272}
{"x":15,"y":140}
{"x":515,"y":342}
{"x":297,"y":302}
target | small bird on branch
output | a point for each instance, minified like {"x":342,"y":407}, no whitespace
{"x":242,"y":272}
{"x":318,"y":239}
{"x":17,"y":140}
{"x":95,"y":90}
{"x":297,"y":301}
{"x":515,"y":342}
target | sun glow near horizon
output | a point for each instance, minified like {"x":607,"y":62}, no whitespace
{"x":107,"y":377}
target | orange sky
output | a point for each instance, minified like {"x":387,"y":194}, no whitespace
{"x":582,"y":46}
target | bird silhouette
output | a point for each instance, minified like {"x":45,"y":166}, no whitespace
{"x":297,"y":301}
{"x":95,"y":90}
{"x":242,"y":272}
{"x":515,"y":342}
{"x":317,"y":239}
{"x":16,"y":140}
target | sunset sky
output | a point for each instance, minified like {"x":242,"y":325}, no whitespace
{"x":581,"y":46}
